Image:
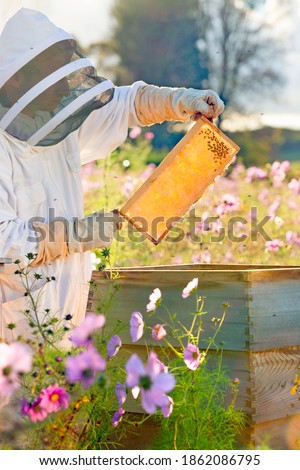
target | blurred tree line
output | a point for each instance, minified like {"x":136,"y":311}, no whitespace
{"x":225,"y":45}
{"x":266,"y":145}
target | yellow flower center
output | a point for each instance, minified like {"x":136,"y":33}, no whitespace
{"x":54,"y":397}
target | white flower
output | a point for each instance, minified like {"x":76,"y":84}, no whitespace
{"x":95,"y":260}
{"x":278,"y":221}
{"x":155,"y":299}
{"x":191,"y":287}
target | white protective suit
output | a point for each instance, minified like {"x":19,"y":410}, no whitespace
{"x":37,"y":176}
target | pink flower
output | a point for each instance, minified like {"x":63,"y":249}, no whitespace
{"x":117,"y":417}
{"x":127,"y":188}
{"x":87,"y":170}
{"x":196,"y":258}
{"x":158,"y":332}
{"x":120,"y":391}
{"x":292,"y":238}
{"x":34,"y":411}
{"x":155,"y":299}
{"x":255,"y":172}
{"x":53,"y":398}
{"x":204,"y":224}
{"x":294,"y":185}
{"x":84,"y":366}
{"x":113,"y":345}
{"x":167,"y":409}
{"x":149,"y":135}
{"x":263,"y":196}
{"x":228,"y":256}
{"x":230,"y":203}
{"x":286,"y":166}
{"x":135,"y":132}
{"x":89,"y":185}
{"x":273,"y":207}
{"x":192,"y":356}
{"x":149,"y":170}
{"x":82,"y":335}
{"x":15,"y":360}
{"x":205,"y":257}
{"x":273,"y":245}
{"x":177,"y":259}
{"x":136,"y":326}
{"x":152,"y":383}
{"x":278,"y":171}
{"x":292,"y":205}
{"x":191,"y":287}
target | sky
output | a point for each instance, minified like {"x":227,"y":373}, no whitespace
{"x":91,"y":21}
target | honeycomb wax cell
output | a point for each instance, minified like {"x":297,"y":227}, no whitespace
{"x":180,"y":180}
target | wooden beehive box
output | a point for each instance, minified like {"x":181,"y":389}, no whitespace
{"x":261,"y":331}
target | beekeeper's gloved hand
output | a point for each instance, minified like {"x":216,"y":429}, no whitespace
{"x":62,"y":237}
{"x":157,"y":104}
{"x":94,"y":231}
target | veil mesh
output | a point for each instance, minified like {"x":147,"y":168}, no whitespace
{"x":52,"y":95}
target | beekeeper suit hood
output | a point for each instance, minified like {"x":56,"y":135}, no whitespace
{"x":47,"y":88}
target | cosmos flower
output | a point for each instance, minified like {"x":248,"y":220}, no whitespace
{"x":94,"y":260}
{"x":278,"y":171}
{"x":84,"y":366}
{"x":82,"y":335}
{"x":117,"y":417}
{"x":15,"y":360}
{"x":53,"y":398}
{"x":34,"y":410}
{"x":150,"y":381}
{"x":254,"y":172}
{"x":113,"y":345}
{"x":135,"y":132}
{"x":229,"y":203}
{"x":149,"y":135}
{"x":192,"y":356}
{"x":120,"y":391}
{"x":294,"y":184}
{"x":191,"y":287}
{"x":273,"y":245}
{"x":167,"y":409}
{"x":158,"y":332}
{"x":136,"y":326}
{"x":155,"y":299}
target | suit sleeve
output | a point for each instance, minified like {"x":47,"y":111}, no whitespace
{"x":107,"y":128}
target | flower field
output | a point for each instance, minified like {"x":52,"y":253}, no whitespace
{"x":250,"y":215}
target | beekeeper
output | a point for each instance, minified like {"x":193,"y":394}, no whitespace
{"x":57,"y":114}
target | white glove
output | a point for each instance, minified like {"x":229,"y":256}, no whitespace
{"x":61,"y":238}
{"x":190,"y":102}
{"x":94,"y":231}
{"x":157,"y":104}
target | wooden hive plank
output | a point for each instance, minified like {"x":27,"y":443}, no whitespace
{"x":176,"y":276}
{"x":243,"y":267}
{"x":272,"y":377}
{"x":274,"y":313}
